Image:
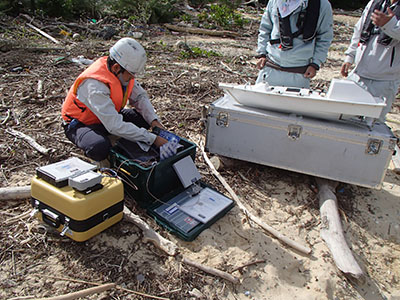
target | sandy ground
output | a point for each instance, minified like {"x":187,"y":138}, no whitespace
{"x":285,"y":200}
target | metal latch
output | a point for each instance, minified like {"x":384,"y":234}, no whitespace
{"x":66,"y":226}
{"x":294,"y":131}
{"x":35,"y":209}
{"x":392,"y":145}
{"x":373,"y":146}
{"x":222,"y":119}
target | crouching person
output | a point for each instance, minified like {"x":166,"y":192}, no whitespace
{"x":95,"y":105}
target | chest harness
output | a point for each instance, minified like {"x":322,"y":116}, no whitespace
{"x":370,"y":29}
{"x":306,"y":25}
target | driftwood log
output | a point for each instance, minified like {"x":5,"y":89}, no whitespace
{"x":202,"y":31}
{"x":149,"y":235}
{"x":271,"y":230}
{"x":332,"y":231}
{"x":15,"y":193}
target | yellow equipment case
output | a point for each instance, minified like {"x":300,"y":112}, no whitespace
{"x":78,"y":215}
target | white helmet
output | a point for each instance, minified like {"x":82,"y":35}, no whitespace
{"x":129,"y":54}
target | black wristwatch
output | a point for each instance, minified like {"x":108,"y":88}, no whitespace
{"x":316,"y":67}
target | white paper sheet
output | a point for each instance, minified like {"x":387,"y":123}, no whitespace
{"x":205,"y":205}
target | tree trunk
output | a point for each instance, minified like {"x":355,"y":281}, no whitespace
{"x":332,"y":231}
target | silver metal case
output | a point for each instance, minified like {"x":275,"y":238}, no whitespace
{"x":335,"y":150}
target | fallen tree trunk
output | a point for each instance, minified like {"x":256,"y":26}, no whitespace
{"x":149,"y":235}
{"x":332,"y":231}
{"x":15,"y":193}
{"x":202,"y":31}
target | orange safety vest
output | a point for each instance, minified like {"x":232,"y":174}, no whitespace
{"x":74,"y":109}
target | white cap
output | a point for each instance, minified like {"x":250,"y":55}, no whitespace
{"x":129,"y":54}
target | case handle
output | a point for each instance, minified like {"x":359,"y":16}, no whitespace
{"x":51,"y":218}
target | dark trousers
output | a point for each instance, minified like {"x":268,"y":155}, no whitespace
{"x":93,"y":139}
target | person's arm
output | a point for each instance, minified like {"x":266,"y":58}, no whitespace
{"x":96,"y":96}
{"x":350,"y":53}
{"x":389,"y":23}
{"x":140,"y":100}
{"x":264,"y":36}
{"x":324,"y":36}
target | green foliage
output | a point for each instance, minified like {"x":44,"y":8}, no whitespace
{"x":221,"y":12}
{"x":221,"y":16}
{"x":13,"y":8}
{"x":198,"y":52}
{"x":198,"y":3}
{"x":162,"y":11}
{"x":53,"y":8}
{"x":147,"y":11}
{"x":232,"y":4}
{"x":162,"y":44}
{"x":186,"y":18}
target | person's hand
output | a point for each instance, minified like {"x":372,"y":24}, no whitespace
{"x":345,"y":69}
{"x":310,"y":72}
{"x":380,"y":18}
{"x":159,"y":141}
{"x":261,"y":63}
{"x":156,"y":123}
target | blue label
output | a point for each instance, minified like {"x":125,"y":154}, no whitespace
{"x":168,"y":135}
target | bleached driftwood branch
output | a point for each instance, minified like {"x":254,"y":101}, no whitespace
{"x":43,"y":33}
{"x":30,"y":140}
{"x":149,"y":235}
{"x":40,"y":88}
{"x":96,"y":284}
{"x":15,"y":193}
{"x":332,"y":231}
{"x":212,"y":271}
{"x":82,"y":293}
{"x":229,"y":69}
{"x":273,"y":231}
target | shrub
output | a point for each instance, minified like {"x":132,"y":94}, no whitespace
{"x":147,"y":11}
{"x":53,"y":8}
{"x":198,"y":52}
{"x":221,"y":16}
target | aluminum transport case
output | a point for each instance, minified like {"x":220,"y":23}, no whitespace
{"x":340,"y":151}
{"x":78,"y":215}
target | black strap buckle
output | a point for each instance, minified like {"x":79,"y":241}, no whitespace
{"x":64,"y":124}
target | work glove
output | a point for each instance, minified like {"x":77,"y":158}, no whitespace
{"x":169,"y":149}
